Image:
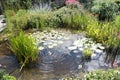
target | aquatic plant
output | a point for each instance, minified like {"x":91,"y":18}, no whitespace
{"x":86,"y":53}
{"x":4,"y":76}
{"x":24,"y":49}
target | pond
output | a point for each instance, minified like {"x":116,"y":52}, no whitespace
{"x":61,"y":55}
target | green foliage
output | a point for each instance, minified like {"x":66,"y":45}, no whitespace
{"x":4,"y":76}
{"x":110,"y":74}
{"x":103,"y":32}
{"x":117,"y":21}
{"x":63,"y":17}
{"x":24,"y":49}
{"x":9,"y":13}
{"x":106,"y":9}
{"x":72,"y":18}
{"x":87,"y":53}
{"x":16,"y":4}
{"x":103,"y":75}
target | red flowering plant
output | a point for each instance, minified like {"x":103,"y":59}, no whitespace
{"x":72,"y":3}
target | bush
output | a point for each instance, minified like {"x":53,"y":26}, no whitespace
{"x":24,"y":49}
{"x":110,"y":74}
{"x":117,"y":21}
{"x":106,"y":9}
{"x":15,"y":5}
{"x":4,"y":76}
{"x":64,"y":17}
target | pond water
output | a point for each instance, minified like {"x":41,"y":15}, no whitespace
{"x":60,"y":56}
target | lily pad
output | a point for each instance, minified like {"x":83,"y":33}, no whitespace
{"x":76,"y":51}
{"x":81,"y":49}
{"x":72,"y":47}
{"x":41,"y":48}
{"x":54,"y":44}
{"x":79,"y":66}
{"x":50,"y":46}
{"x":60,"y":42}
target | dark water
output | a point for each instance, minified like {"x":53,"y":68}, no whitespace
{"x":54,"y":63}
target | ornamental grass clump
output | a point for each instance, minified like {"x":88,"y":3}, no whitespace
{"x":24,"y":49}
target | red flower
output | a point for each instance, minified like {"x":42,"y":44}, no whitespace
{"x":70,"y":1}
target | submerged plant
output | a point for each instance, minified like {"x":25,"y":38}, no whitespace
{"x":24,"y":49}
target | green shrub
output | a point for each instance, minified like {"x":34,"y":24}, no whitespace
{"x":106,"y":9}
{"x":73,"y":18}
{"x":101,"y":32}
{"x":9,"y":13}
{"x":117,"y":21}
{"x":24,"y":49}
{"x":4,"y":76}
{"x":110,"y":74}
{"x":15,"y":5}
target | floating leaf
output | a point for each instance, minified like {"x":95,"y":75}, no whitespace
{"x":72,"y":47}
{"x":41,"y":48}
{"x":76,"y":51}
{"x":50,"y":46}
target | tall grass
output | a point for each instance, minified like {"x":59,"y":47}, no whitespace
{"x":24,"y":49}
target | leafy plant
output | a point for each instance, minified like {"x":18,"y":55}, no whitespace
{"x":87,"y":53}
{"x":106,"y":9}
{"x":4,"y":76}
{"x":40,"y":9}
{"x":110,"y":74}
{"x":117,"y":21}
{"x":24,"y":49}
